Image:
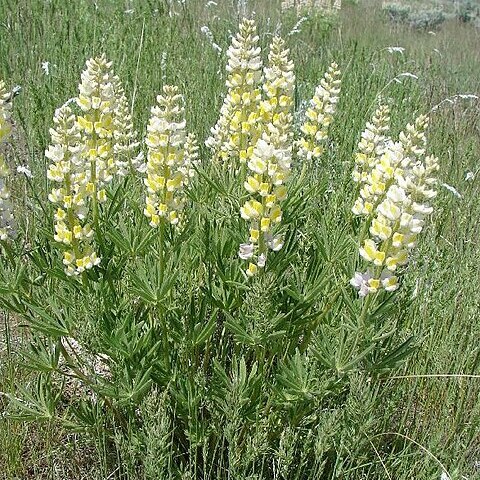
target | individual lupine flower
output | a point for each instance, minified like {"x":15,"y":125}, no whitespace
{"x":170,"y":158}
{"x":71,"y":196}
{"x":372,"y":144}
{"x":320,"y":115}
{"x":366,"y":283}
{"x":399,"y":203}
{"x":124,"y":137}
{"x":98,"y":102}
{"x":24,"y":170}
{"x":269,"y":168}
{"x":238,"y":127}
{"x":7,"y":225}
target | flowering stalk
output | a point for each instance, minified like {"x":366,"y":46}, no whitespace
{"x":372,"y":144}
{"x":124,"y":136}
{"x":279,"y":83}
{"x":98,"y":102}
{"x":269,"y":164}
{"x":7,"y":224}
{"x":320,"y":115}
{"x":72,"y":197}
{"x":238,"y":127}
{"x":169,"y":158}
{"x":395,"y":199}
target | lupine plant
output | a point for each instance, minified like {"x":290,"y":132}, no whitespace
{"x":187,"y":286}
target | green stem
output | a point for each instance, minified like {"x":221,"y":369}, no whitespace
{"x":93,"y":173}
{"x":161,"y":248}
{"x":364,"y":312}
{"x":161,"y":262}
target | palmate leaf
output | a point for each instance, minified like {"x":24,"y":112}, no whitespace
{"x":132,"y":241}
{"x":84,"y":415}
{"x":54,"y":324}
{"x":116,"y":199}
{"x":240,"y":335}
{"x":295,"y":380}
{"x":130,"y":341}
{"x":379,"y":363}
{"x":238,"y":394}
{"x":38,"y":405}
{"x":13,"y":282}
{"x":148,"y":282}
{"x":41,"y":356}
{"x":136,"y":389}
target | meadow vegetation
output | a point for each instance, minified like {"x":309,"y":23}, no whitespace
{"x":280,"y":296}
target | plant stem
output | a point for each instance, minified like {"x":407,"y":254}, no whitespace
{"x":364,"y":313}
{"x":161,"y":254}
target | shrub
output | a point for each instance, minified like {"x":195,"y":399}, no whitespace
{"x":397,"y":12}
{"x":467,"y":11}
{"x":414,"y":17}
{"x":426,"y":19}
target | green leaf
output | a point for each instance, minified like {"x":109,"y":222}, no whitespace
{"x":240,"y":334}
{"x":201,"y":335}
{"x":56,"y":327}
{"x":394,"y":357}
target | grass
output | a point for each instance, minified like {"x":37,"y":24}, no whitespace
{"x":411,"y":423}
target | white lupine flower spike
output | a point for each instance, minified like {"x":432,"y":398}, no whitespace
{"x":397,"y":183}
{"x":320,"y":115}
{"x":170,"y":159}
{"x":238,"y":128}
{"x":125,"y":144}
{"x":98,"y":103}
{"x":372,"y":144}
{"x":269,"y":163}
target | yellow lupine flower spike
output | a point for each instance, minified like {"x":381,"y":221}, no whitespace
{"x":67,"y":169}
{"x":320,"y":115}
{"x":239,"y":125}
{"x":398,"y":209}
{"x":269,"y":159}
{"x":170,"y":159}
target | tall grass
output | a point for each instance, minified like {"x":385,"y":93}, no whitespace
{"x":410,"y":422}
